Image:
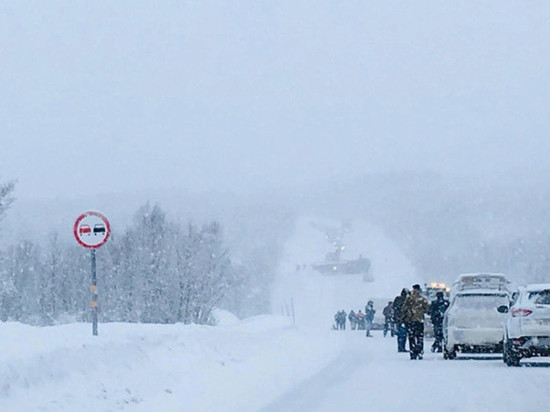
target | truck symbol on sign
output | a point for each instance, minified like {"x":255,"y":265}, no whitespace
{"x":85,"y":230}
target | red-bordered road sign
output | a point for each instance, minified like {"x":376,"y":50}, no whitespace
{"x":91,"y":230}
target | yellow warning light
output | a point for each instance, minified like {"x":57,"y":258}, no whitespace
{"x":94,"y":304}
{"x":93,"y":288}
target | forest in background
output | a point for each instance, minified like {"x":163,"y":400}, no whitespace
{"x":155,"y":271}
{"x":163,"y":266}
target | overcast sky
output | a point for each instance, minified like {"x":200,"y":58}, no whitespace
{"x":110,"y":96}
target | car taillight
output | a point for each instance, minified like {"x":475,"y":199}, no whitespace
{"x":519,"y":312}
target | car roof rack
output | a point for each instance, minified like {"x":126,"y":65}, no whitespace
{"x":481,"y":281}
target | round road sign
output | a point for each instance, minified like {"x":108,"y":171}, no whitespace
{"x":91,"y":230}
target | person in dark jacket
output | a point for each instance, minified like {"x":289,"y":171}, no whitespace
{"x":413,"y":310}
{"x":388,"y":319}
{"x":369,"y":317}
{"x":343,"y":318}
{"x":340,"y":320}
{"x":438,"y":307}
{"x":400,"y":327}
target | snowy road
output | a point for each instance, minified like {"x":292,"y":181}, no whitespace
{"x":371,"y":374}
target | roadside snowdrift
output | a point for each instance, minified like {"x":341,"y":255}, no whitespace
{"x":155,"y":367}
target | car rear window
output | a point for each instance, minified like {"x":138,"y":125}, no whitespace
{"x":540,"y":297}
{"x":480,"y":301}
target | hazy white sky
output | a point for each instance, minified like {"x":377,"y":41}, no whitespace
{"x":116,"y":96}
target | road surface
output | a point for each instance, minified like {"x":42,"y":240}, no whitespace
{"x":371,"y":375}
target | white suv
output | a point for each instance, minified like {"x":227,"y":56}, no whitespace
{"x":527,"y":328}
{"x":472,"y":323}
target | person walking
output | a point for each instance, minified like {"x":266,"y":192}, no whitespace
{"x":414,"y":308}
{"x":343,"y":317}
{"x":438,"y":307}
{"x":388,"y":319}
{"x":369,"y":317}
{"x":352,"y":317}
{"x":360,"y":320}
{"x":399,"y":321}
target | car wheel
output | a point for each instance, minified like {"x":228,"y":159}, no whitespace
{"x":512,"y":360}
{"x":449,"y":354}
{"x":510,"y":356}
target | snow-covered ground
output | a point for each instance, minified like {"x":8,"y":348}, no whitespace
{"x":262,"y":363}
{"x":140,"y":367}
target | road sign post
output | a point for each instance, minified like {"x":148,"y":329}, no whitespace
{"x":91,"y":230}
{"x":94,"y":295}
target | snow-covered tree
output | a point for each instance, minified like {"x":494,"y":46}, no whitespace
{"x":6,"y":198}
{"x":154,"y":271}
{"x":23,"y":269}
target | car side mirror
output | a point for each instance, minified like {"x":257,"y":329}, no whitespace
{"x":503,"y":309}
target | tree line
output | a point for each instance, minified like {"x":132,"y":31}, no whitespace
{"x":155,"y":271}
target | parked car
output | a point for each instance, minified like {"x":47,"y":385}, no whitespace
{"x":527,"y":326}
{"x":472,"y":324}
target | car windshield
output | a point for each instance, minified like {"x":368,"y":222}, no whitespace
{"x":480,"y":301}
{"x":540,"y":297}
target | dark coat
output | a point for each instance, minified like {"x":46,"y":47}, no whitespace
{"x":437,"y":310}
{"x":414,"y":308}
{"x":397,"y":305}
{"x":369,"y":313}
{"x":388,"y":311}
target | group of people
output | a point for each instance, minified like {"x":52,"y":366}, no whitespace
{"x":408,"y":310}
{"x":404,"y":318}
{"x":340,"y":320}
{"x":358,"y":320}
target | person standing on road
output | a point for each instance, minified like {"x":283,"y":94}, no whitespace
{"x":388,"y":319}
{"x":414,"y":308}
{"x":352,"y":320}
{"x":343,"y":319}
{"x":401,"y":328}
{"x":369,"y":317}
{"x":338,"y":320}
{"x":360,"y":320}
{"x":437,"y":309}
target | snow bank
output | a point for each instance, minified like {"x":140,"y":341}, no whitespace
{"x":155,"y":367}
